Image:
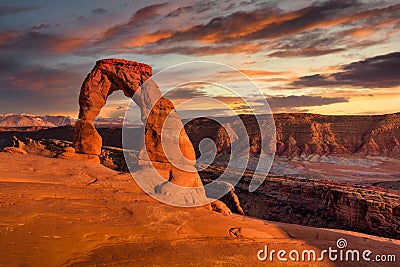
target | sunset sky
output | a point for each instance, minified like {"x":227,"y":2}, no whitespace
{"x":328,"y":57}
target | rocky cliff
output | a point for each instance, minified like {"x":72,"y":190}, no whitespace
{"x":299,"y":133}
{"x":323,"y":204}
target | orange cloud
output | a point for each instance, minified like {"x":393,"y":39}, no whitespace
{"x":251,"y":73}
{"x":285,"y":80}
{"x":243,"y":27}
{"x":368,"y":30}
{"x":204,"y":50}
{"x":326,"y":69}
{"x":144,"y":39}
{"x":263,"y":72}
{"x":238,"y":28}
{"x":362,"y":32}
{"x":64,"y":45}
{"x":8,"y":36}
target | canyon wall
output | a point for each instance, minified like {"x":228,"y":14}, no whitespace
{"x":297,"y":133}
{"x":370,"y":210}
{"x":300,"y":133}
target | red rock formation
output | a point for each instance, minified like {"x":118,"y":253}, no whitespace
{"x":311,"y":134}
{"x":13,"y":150}
{"x":165,"y":147}
{"x":87,"y":139}
{"x":107,"y":76}
{"x":161,"y":151}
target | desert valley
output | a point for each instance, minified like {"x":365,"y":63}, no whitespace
{"x":88,"y":213}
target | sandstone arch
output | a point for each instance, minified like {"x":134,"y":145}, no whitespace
{"x":110,"y":75}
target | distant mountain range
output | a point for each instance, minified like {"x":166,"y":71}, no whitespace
{"x":29,"y":120}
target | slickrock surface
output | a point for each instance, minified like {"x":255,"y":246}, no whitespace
{"x":57,"y":212}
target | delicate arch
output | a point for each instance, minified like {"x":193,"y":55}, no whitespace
{"x":107,"y":76}
{"x":110,"y":75}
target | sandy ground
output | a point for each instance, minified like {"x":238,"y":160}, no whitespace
{"x":57,"y":212}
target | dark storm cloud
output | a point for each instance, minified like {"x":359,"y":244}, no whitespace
{"x":377,"y":72}
{"x":9,"y":10}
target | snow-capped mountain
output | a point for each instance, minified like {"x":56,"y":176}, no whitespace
{"x":29,"y":120}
